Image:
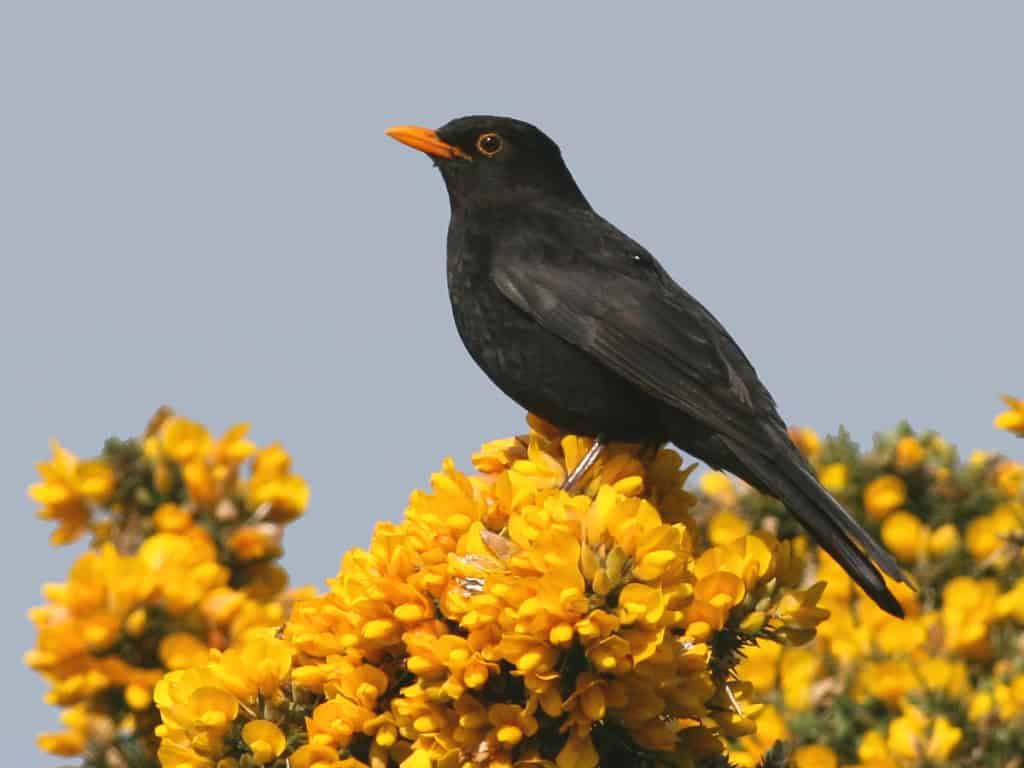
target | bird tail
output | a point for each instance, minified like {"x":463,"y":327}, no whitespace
{"x":792,"y":482}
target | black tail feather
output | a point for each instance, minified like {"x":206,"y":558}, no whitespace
{"x":787,"y":477}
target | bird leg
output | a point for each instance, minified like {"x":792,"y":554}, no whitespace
{"x":585,"y":463}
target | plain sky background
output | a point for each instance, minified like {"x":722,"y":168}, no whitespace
{"x":199,"y":207}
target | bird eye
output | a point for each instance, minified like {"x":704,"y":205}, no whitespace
{"x":489,"y":144}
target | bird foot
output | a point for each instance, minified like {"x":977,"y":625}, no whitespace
{"x":585,"y":463}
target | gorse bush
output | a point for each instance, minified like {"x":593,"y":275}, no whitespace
{"x":505,"y":622}
{"x":184,"y":531}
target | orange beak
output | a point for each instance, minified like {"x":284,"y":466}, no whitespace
{"x":425,"y":140}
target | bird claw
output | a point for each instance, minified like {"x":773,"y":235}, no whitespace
{"x":586,"y":463}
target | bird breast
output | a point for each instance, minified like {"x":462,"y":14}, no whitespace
{"x":539,"y":370}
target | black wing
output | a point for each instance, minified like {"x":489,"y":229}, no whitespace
{"x":608,"y":296}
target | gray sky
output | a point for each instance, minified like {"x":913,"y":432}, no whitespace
{"x":200,"y":208}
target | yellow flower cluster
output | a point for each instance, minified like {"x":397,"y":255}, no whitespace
{"x":871,"y":691}
{"x":199,"y":705}
{"x":69,"y":490}
{"x":180,"y":564}
{"x":505,"y":621}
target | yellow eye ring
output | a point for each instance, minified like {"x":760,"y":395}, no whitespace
{"x":489,"y":144}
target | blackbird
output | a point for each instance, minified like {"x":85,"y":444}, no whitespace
{"x":579,"y":324}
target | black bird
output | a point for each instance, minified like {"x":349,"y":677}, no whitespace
{"x":579,"y":324}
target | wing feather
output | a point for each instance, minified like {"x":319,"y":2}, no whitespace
{"x":634,"y":319}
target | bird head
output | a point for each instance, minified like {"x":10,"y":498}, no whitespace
{"x":494,"y":161}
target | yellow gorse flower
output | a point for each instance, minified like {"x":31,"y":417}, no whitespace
{"x":834,"y":476}
{"x":884,"y":494}
{"x":807,"y":440}
{"x":264,"y":739}
{"x":1012,"y":419}
{"x":909,"y":453}
{"x":815,"y":756}
{"x":915,"y":737}
{"x":68,"y":491}
{"x":905,"y":536}
{"x":273,"y":484}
